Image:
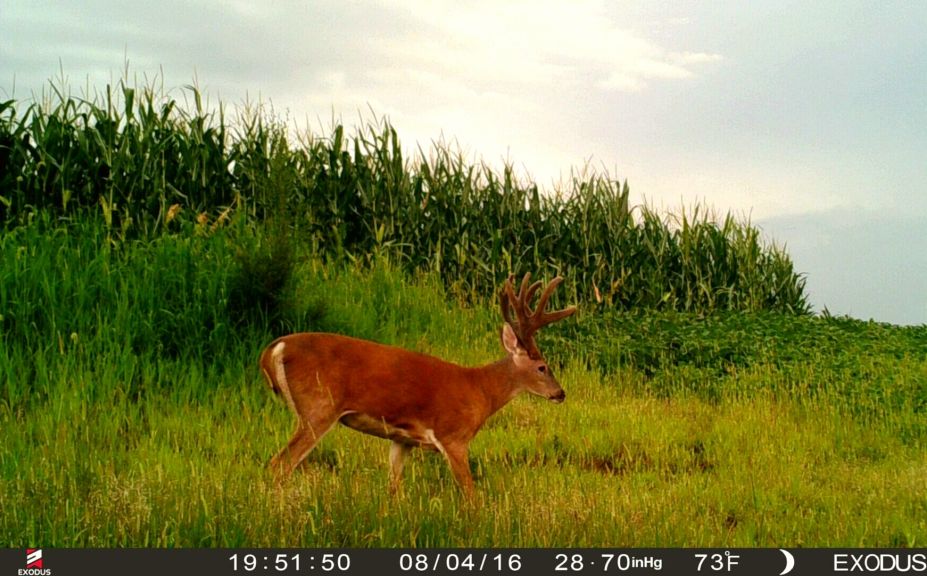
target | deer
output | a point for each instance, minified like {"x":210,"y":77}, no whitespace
{"x":413,"y":399}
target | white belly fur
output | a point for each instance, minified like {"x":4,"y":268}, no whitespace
{"x":411,"y":434}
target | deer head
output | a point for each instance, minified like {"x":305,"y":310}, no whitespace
{"x":518,"y":334}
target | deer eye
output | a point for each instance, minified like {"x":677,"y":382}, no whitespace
{"x":542,"y":369}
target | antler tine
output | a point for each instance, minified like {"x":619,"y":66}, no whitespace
{"x":527,"y":295}
{"x":524,"y":284}
{"x":545,"y":296}
{"x":520,"y":303}
{"x":507,"y":298}
{"x":541,"y":317}
{"x":558,"y":315}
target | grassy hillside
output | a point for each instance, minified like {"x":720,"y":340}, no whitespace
{"x":132,"y":412}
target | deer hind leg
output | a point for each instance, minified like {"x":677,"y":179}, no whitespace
{"x":308,"y":433}
{"x":397,"y":454}
{"x":315,"y":415}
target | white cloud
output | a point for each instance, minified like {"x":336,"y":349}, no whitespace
{"x":505,"y":80}
{"x":695,"y":57}
{"x":534,"y":44}
{"x":499,"y":77}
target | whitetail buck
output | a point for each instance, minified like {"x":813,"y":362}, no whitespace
{"x":409,"y":398}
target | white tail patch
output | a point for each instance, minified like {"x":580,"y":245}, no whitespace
{"x":280,"y":374}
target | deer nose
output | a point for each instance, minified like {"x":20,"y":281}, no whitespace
{"x":558,"y":397}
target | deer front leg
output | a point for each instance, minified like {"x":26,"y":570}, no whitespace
{"x":455,"y":451}
{"x":457,"y":457}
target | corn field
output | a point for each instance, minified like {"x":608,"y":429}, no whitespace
{"x":147,"y":162}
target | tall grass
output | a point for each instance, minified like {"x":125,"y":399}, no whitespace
{"x":138,"y":156}
{"x":132,"y":413}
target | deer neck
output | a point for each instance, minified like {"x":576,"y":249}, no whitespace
{"x":499,"y":383}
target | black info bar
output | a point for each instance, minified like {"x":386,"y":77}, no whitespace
{"x":460,"y":561}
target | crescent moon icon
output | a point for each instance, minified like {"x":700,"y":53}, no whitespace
{"x":789,"y":562}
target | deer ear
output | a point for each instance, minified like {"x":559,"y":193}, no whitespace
{"x":510,"y":340}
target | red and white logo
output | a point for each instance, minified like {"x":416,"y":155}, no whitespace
{"x":34,"y":564}
{"x":33,"y":558}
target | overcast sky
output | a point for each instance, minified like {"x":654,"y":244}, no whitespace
{"x":808,"y":117}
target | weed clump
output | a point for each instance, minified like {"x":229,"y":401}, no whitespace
{"x":258,"y":283}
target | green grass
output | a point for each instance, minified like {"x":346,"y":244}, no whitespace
{"x":132,"y":413}
{"x":606,"y":469}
